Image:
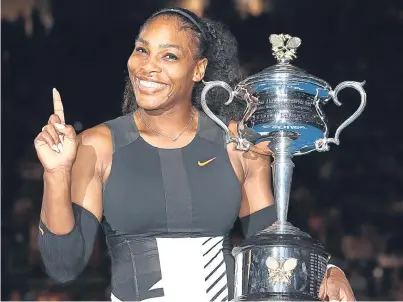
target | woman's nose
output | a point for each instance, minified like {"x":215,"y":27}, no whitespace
{"x":150,"y":65}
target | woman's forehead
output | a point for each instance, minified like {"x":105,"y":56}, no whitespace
{"x":165,"y":30}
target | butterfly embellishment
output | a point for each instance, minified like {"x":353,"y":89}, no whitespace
{"x":284,"y":47}
{"x":280,"y":270}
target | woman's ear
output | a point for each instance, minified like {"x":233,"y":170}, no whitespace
{"x":200,"y":70}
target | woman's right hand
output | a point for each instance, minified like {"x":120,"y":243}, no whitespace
{"x":57,"y":144}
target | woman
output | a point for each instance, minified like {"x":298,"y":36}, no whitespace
{"x":159,"y":179}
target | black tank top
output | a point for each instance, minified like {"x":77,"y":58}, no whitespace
{"x":167,"y":213}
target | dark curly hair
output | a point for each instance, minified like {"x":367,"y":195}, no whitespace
{"x":220,"y":47}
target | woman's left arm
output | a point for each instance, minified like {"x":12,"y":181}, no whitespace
{"x":258,"y":210}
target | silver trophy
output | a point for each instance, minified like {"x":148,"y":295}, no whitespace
{"x":284,"y":115}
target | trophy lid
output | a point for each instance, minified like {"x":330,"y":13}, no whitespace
{"x":283,"y":73}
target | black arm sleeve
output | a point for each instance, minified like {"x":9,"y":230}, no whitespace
{"x":258,"y":221}
{"x":65,"y":256}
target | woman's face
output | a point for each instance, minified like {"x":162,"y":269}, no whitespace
{"x":162,"y":67}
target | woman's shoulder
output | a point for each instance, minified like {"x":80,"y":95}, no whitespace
{"x":96,"y":135}
{"x":103,"y":132}
{"x":97,"y":140}
{"x":111,"y":134}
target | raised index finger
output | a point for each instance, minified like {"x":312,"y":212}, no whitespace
{"x":58,"y":105}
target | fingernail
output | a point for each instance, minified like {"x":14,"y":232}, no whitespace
{"x":54,"y":90}
{"x":60,"y":126}
{"x":60,"y":146}
{"x":54,"y":147}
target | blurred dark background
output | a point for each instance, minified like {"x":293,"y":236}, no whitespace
{"x":350,"y":198}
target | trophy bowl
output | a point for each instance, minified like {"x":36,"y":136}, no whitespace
{"x":285,"y":97}
{"x":284,"y":114}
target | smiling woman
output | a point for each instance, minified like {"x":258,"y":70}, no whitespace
{"x":160,"y":180}
{"x":162,"y":73}
{"x":183,"y":47}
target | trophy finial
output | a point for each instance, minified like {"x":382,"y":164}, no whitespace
{"x":284,"y":47}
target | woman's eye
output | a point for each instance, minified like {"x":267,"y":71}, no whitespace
{"x":140,"y":49}
{"x":171,"y":56}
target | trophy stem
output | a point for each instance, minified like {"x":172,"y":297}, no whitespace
{"x":282,"y":168}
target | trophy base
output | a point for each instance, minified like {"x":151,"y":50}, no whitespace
{"x":275,"y":297}
{"x":279,"y":263}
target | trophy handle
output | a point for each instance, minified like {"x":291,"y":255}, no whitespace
{"x":323,"y":143}
{"x":241,"y":143}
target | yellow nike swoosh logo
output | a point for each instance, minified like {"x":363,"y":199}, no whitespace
{"x":201,"y":164}
{"x":40,"y":229}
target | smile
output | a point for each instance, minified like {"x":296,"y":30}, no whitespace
{"x":149,"y":86}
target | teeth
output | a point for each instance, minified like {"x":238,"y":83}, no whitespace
{"x":150,"y":84}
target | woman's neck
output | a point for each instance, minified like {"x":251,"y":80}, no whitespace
{"x":169,"y":121}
